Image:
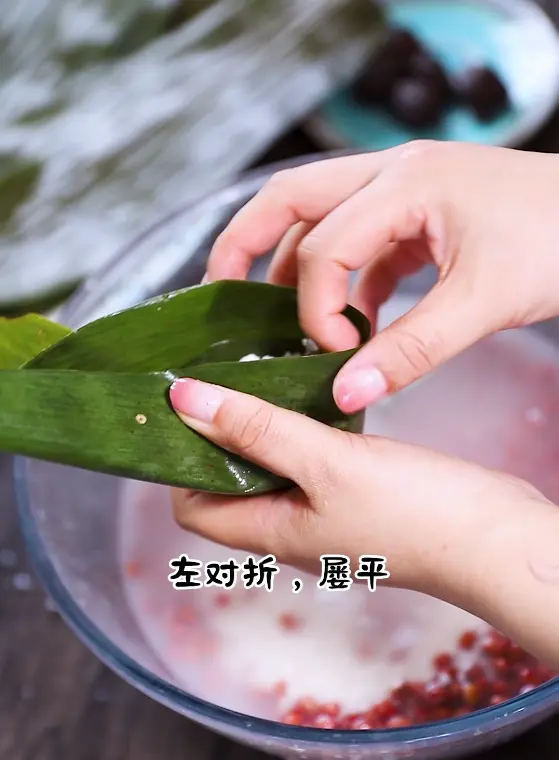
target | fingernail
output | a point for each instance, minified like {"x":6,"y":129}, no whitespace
{"x":205,"y":279}
{"x":197,"y":400}
{"x":359,"y":389}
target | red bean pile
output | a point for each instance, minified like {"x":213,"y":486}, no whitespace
{"x":500,"y":670}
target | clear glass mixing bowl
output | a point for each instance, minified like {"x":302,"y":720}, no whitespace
{"x":69,"y":518}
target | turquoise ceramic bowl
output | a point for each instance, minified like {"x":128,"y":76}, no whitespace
{"x":515,"y":37}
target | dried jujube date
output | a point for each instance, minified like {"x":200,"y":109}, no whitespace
{"x":416,"y":103}
{"x":374,"y":84}
{"x":403,"y":43}
{"x":424,"y":67}
{"x":482,"y":90}
{"x":388,"y":62}
{"x":404,"y":77}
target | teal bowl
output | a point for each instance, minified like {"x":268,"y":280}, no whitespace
{"x":514,"y":37}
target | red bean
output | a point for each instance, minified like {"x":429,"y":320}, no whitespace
{"x":289,"y":622}
{"x":443,"y":661}
{"x":470,"y":694}
{"x":467,"y":640}
{"x":331,"y":708}
{"x":501,"y":670}
{"x":398,"y":721}
{"x":324,"y":721}
{"x":223,"y":599}
{"x":292,"y":718}
{"x":494,"y":644}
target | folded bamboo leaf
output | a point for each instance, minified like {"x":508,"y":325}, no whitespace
{"x":97,"y":398}
{"x":174,"y":329}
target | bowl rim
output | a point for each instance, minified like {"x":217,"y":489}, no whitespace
{"x":163,"y":691}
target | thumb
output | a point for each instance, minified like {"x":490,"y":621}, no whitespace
{"x":283,"y":442}
{"x":444,"y":323}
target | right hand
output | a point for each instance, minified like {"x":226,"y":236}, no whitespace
{"x":479,"y":539}
{"x":486,"y":217}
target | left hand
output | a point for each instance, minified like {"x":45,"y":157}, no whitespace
{"x":445,"y":526}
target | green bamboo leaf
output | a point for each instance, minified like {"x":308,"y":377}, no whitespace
{"x":22,"y":338}
{"x":177,"y":328}
{"x":98,"y":398}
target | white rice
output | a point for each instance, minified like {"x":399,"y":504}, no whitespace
{"x":309,"y":347}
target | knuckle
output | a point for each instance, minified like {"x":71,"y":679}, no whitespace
{"x":309,"y":247}
{"x":248,"y":433}
{"x":281,"y":181}
{"x":421,"y":353}
{"x":417,"y":161}
{"x":419,"y":150}
{"x":221,"y":242}
{"x":225,"y":243}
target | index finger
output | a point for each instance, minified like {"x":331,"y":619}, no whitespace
{"x":303,"y":194}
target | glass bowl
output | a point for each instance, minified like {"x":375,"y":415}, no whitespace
{"x":68,"y":518}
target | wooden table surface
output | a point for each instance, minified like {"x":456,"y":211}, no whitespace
{"x":58,"y":702}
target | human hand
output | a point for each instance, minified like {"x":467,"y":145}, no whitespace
{"x":486,"y":217}
{"x":479,"y":539}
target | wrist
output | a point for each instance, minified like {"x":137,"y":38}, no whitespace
{"x":520,"y":593}
{"x":470,"y":544}
{"x":503,"y":567}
